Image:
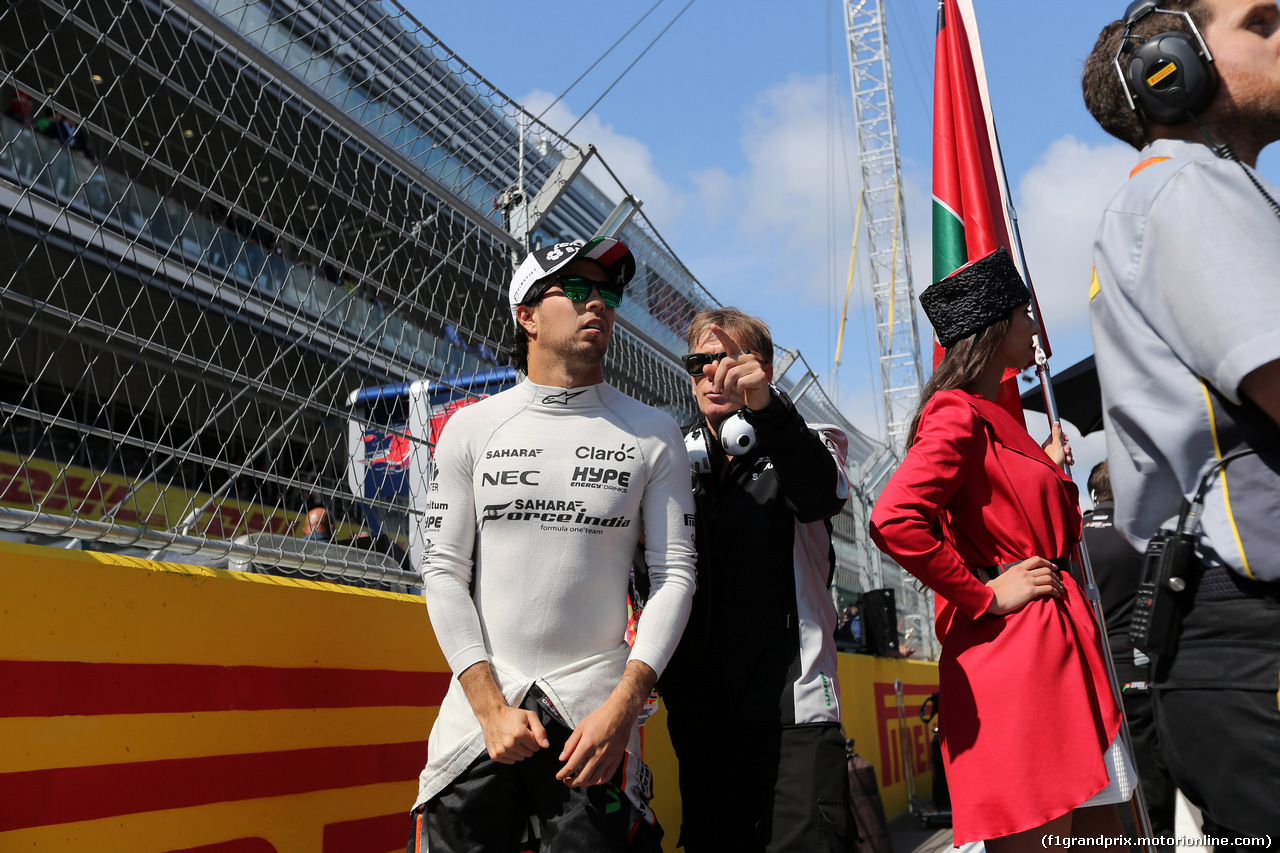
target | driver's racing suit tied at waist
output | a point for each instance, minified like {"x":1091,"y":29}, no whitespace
{"x":532,"y":514}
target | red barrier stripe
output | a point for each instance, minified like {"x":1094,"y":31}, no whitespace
{"x":65,"y":795}
{"x":240,"y":845}
{"x":58,"y":688}
{"x":368,"y":835}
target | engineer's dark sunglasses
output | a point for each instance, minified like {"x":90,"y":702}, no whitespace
{"x":695,"y":361}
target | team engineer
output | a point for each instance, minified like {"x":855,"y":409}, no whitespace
{"x":1185,"y":310}
{"x":760,"y":647}
{"x":1118,"y":569}
{"x":536,"y":503}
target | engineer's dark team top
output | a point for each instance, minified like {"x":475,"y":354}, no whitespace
{"x":767,"y":770}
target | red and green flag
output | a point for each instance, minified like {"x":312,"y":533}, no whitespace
{"x":970,"y":219}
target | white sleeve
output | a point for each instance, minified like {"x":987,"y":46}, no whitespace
{"x":1213,"y":249}
{"x":447,"y":528}
{"x":668,"y":512}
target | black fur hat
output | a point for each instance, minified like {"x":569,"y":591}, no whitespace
{"x":973,"y":297}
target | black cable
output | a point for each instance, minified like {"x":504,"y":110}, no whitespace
{"x":1224,"y":151}
{"x":1253,"y":179}
{"x":628,"y":68}
{"x":560,"y":97}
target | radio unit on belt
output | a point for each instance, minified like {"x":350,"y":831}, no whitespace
{"x":1170,"y":573}
{"x":1158,"y":606}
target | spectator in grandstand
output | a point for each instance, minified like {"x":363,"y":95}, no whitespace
{"x":551,"y":481}
{"x":268,"y":493}
{"x":330,"y":272}
{"x":67,"y":131}
{"x":21,"y":109}
{"x":849,"y":631}
{"x":987,"y":519}
{"x":246,"y":488}
{"x":283,"y":252}
{"x":311,"y":495}
{"x":907,"y":648}
{"x":762,"y":633}
{"x":382,"y":544}
{"x":316,"y":526}
{"x":350,"y":283}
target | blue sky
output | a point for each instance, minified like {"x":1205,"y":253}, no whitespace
{"x":736,"y":130}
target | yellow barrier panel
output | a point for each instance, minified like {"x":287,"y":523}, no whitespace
{"x":155,"y":707}
{"x":870,"y":713}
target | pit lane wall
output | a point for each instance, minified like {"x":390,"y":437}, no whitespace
{"x":155,"y":707}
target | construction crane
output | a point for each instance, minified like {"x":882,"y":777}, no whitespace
{"x":881,"y":207}
{"x":890,"y":260}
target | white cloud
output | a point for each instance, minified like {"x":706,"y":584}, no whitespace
{"x":1061,"y":202}
{"x":794,"y":193}
{"x":1061,"y":199}
{"x":785,"y":141}
{"x":627,"y":156}
{"x":718,"y":193}
{"x":797,"y":215}
{"x":762,"y":234}
{"x":760,"y":238}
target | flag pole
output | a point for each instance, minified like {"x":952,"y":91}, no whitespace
{"x":968,"y":188}
{"x":1089,"y":580}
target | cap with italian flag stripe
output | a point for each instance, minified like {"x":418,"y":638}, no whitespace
{"x":618,"y":262}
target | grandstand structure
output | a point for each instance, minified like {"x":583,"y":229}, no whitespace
{"x":222,"y":220}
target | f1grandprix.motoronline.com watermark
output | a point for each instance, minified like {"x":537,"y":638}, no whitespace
{"x":1105,"y":841}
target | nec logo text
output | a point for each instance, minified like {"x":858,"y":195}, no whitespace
{"x":510,"y":478}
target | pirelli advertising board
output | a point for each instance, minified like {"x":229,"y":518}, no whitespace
{"x":154,"y":708}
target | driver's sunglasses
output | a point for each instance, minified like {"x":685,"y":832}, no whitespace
{"x":578,"y":289}
{"x":695,"y":361}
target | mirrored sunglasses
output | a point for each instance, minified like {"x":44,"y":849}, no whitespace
{"x":578,"y":289}
{"x":695,"y":361}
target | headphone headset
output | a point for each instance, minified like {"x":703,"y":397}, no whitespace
{"x":1170,"y":75}
{"x":737,"y":437}
{"x":695,"y":441}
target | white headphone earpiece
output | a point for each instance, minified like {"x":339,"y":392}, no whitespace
{"x":699,"y":457}
{"x":737,"y":435}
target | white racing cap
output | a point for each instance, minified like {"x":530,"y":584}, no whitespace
{"x":618,"y":262}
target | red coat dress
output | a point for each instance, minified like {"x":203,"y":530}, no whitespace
{"x":1026,"y":707}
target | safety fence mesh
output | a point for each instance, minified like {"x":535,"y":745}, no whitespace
{"x":243,"y":243}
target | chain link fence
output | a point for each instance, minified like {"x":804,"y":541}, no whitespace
{"x":236,"y":234}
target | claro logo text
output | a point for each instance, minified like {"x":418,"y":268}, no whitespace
{"x":606,"y":454}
